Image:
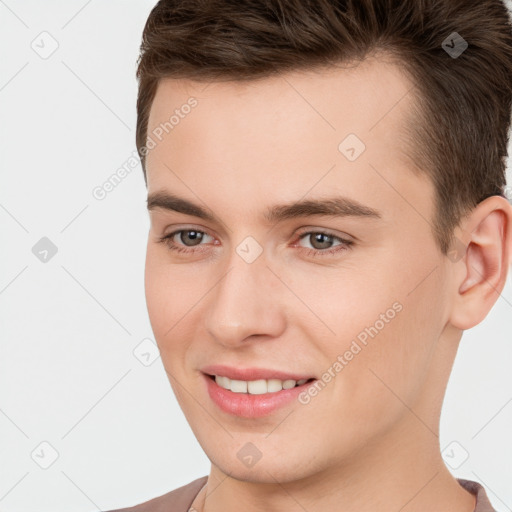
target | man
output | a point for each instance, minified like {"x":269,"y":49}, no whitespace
{"x":325,"y":187}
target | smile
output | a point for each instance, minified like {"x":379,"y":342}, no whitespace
{"x":256,"y":387}
{"x":253,"y":399}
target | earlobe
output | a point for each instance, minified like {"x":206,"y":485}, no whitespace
{"x":486,"y":261}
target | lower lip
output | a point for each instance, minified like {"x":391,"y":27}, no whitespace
{"x":252,"y":406}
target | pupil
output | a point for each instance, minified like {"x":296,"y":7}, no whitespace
{"x":196,"y":236}
{"x":318,"y":239}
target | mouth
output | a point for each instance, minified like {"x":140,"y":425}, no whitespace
{"x":255,"y":391}
{"x":259,"y":386}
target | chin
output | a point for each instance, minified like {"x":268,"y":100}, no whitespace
{"x":261,"y":474}
{"x":267,"y":470}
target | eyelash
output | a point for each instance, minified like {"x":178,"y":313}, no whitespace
{"x":343,"y":246}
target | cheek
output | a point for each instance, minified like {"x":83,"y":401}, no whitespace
{"x":173,"y":299}
{"x":385,"y":331}
{"x":164,"y":304}
{"x":154,"y":286}
{"x":393,"y":364}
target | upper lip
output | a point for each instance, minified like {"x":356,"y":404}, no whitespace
{"x":252,"y":373}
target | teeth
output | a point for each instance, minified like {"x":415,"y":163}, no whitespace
{"x":256,"y":387}
{"x":239,"y":386}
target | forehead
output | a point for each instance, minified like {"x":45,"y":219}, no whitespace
{"x":285,"y":132}
{"x":357,"y":96}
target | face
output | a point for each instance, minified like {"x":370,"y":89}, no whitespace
{"x":352,"y":296}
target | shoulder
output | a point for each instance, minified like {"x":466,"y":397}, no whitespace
{"x":482,"y":501}
{"x":179,"y":499}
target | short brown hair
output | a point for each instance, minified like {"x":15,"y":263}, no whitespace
{"x":463,"y":102}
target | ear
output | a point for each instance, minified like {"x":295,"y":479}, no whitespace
{"x":485,"y":262}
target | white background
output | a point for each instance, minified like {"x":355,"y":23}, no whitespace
{"x":68,"y":374}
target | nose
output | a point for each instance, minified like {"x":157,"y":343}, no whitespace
{"x":248,"y":301}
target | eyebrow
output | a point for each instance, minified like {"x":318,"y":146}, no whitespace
{"x":337,"y":206}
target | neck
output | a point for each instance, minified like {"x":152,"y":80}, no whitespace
{"x":403,"y":472}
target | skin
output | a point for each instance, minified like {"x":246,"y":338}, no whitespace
{"x":370,"y":439}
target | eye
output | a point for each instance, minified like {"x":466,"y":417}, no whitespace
{"x":179,"y":240}
{"x":189,"y":241}
{"x":190,"y":235}
{"x":322,"y":241}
